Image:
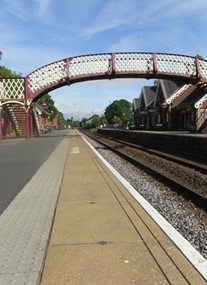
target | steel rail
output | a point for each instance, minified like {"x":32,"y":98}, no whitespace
{"x":178,"y":157}
{"x":179,"y":187}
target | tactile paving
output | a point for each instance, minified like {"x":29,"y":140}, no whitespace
{"x":25,"y":225}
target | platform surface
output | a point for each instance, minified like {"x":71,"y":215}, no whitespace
{"x":25,"y":224}
{"x":102,"y":235}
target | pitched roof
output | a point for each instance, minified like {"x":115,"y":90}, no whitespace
{"x":193,"y":97}
{"x":169,"y":87}
{"x":181,"y":94}
{"x":136,"y":103}
{"x":149,"y":95}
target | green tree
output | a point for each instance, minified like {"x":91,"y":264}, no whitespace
{"x":95,"y":121}
{"x":7,"y":73}
{"x":103,"y":120}
{"x":61,"y":121}
{"x":76,"y":124}
{"x":83,"y":122}
{"x":119,"y":111}
{"x":48,"y":104}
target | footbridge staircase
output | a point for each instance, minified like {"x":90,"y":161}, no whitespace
{"x":16,"y":115}
{"x":202,"y":122}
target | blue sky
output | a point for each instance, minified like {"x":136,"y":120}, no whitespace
{"x":37,"y":32}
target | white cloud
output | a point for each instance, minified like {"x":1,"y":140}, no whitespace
{"x":27,"y":9}
{"x":114,"y":14}
{"x":102,"y":27}
{"x":42,"y":8}
{"x":78,"y":116}
{"x":18,"y":8}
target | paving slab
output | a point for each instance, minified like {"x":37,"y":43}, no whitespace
{"x":112,"y":263}
{"x":102,"y":235}
{"x":89,"y":193}
{"x":91,"y":223}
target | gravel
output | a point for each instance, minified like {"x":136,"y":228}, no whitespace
{"x":184,"y":216}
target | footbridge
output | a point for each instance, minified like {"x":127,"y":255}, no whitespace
{"x":24,"y":91}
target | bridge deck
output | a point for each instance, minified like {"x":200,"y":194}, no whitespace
{"x":102,"y":235}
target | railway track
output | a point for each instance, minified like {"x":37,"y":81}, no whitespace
{"x":185,"y":176}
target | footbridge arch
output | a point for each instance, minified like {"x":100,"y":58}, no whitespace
{"x":115,"y":65}
{"x":25,"y":90}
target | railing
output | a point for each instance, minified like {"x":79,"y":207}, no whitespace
{"x":13,"y":119}
{"x":36,"y":121}
{"x":115,"y":65}
{"x":12,"y":89}
{"x":201,"y":121}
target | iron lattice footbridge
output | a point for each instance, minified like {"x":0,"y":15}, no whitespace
{"x":67,"y":71}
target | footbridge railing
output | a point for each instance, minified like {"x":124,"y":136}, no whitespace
{"x":115,"y":65}
{"x":25,"y":90}
{"x":104,"y":66}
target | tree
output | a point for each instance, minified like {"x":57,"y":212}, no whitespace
{"x":48,"y":104}
{"x":76,"y":124}
{"x":119,"y":111}
{"x":95,"y":121}
{"x":103,"y":120}
{"x":60,"y":120}
{"x":7,"y":73}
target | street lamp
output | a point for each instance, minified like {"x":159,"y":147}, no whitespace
{"x":1,"y":55}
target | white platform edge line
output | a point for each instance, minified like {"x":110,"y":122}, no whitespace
{"x":198,"y":261}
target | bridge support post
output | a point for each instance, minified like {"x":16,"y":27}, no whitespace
{"x":27,"y":105}
{"x":27,"y":123}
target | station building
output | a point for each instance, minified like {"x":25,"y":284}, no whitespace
{"x":171,"y":105}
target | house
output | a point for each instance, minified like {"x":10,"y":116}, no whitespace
{"x":43,"y":121}
{"x":165,"y":91}
{"x":171,"y":105}
{"x":143,"y":108}
{"x":136,"y":112}
{"x":191,"y":112}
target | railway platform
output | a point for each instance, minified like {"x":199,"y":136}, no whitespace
{"x":102,"y":235}
{"x":188,"y":143}
{"x":80,"y":222}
